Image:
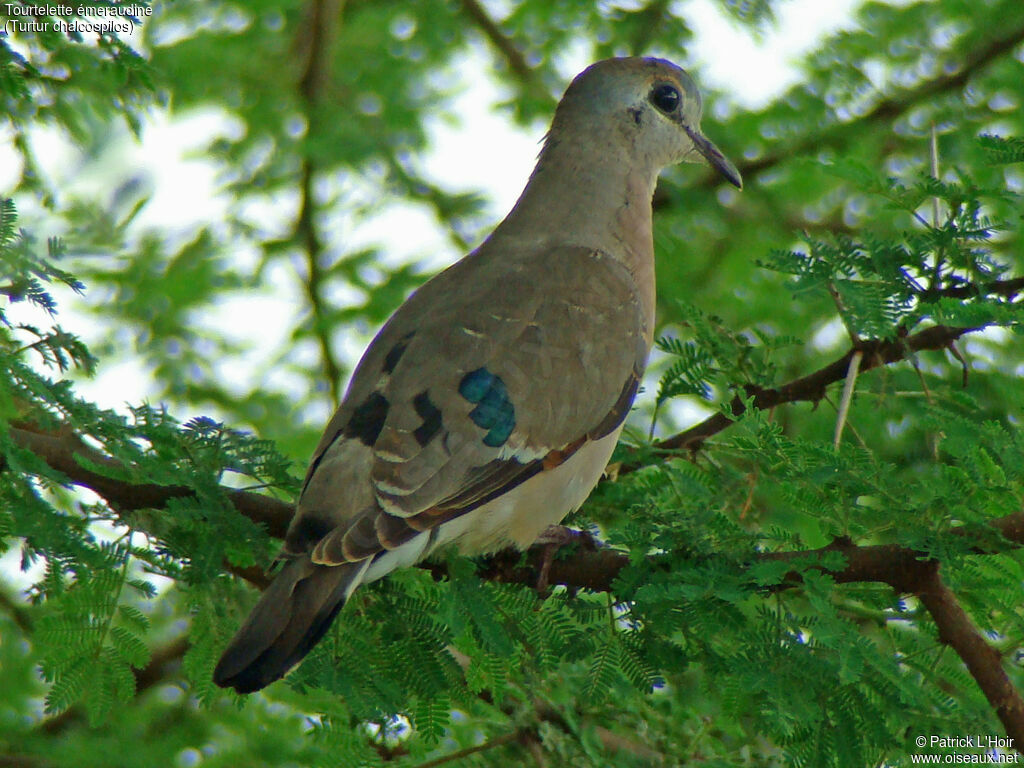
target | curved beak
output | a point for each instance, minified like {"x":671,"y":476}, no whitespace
{"x":714,"y":156}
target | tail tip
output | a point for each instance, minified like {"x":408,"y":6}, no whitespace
{"x":246,"y":680}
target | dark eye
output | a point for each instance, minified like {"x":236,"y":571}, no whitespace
{"x":665,"y":97}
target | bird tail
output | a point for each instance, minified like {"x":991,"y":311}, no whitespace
{"x":291,"y":616}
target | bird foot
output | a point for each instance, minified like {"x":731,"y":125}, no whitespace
{"x":552,"y":539}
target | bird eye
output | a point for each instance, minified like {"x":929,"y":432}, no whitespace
{"x":665,"y":97}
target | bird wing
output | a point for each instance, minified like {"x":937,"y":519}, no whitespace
{"x":494,"y":371}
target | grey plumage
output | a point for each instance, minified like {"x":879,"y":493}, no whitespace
{"x":486,"y":408}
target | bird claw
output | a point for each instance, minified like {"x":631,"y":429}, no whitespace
{"x":552,"y":539}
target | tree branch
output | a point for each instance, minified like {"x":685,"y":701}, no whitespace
{"x":421,"y":190}
{"x":1005,"y":288}
{"x":513,"y":57}
{"x":497,"y":741}
{"x":597,"y":569}
{"x":983,"y":662}
{"x":811,"y":388}
{"x":907,"y":571}
{"x":67,"y":455}
{"x":323,"y":17}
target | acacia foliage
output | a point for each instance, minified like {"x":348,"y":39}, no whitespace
{"x":712,"y":640}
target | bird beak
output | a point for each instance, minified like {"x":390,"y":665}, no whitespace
{"x":714,"y":156}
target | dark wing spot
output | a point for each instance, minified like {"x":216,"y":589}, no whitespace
{"x":494,"y":411}
{"x":395,"y":354}
{"x":368,"y":419}
{"x":431,"y":416}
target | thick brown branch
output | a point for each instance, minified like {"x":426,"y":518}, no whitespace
{"x":66,"y":454}
{"x":983,"y":662}
{"x":597,"y":569}
{"x":905,"y":570}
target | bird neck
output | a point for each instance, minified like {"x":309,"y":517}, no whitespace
{"x":592,"y":197}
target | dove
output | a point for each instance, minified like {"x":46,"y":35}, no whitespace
{"x":487,"y":407}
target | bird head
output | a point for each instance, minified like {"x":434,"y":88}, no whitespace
{"x":650,"y":102}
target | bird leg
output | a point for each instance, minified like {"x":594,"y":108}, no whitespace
{"x":551,"y":540}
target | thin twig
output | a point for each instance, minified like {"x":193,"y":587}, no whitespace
{"x":498,"y":741}
{"x":422,"y":190}
{"x":964,"y":365}
{"x":314,"y":282}
{"x":837,"y":299}
{"x":934,"y":157}
{"x":513,"y":56}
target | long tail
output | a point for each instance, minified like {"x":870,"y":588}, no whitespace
{"x":289,"y":619}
